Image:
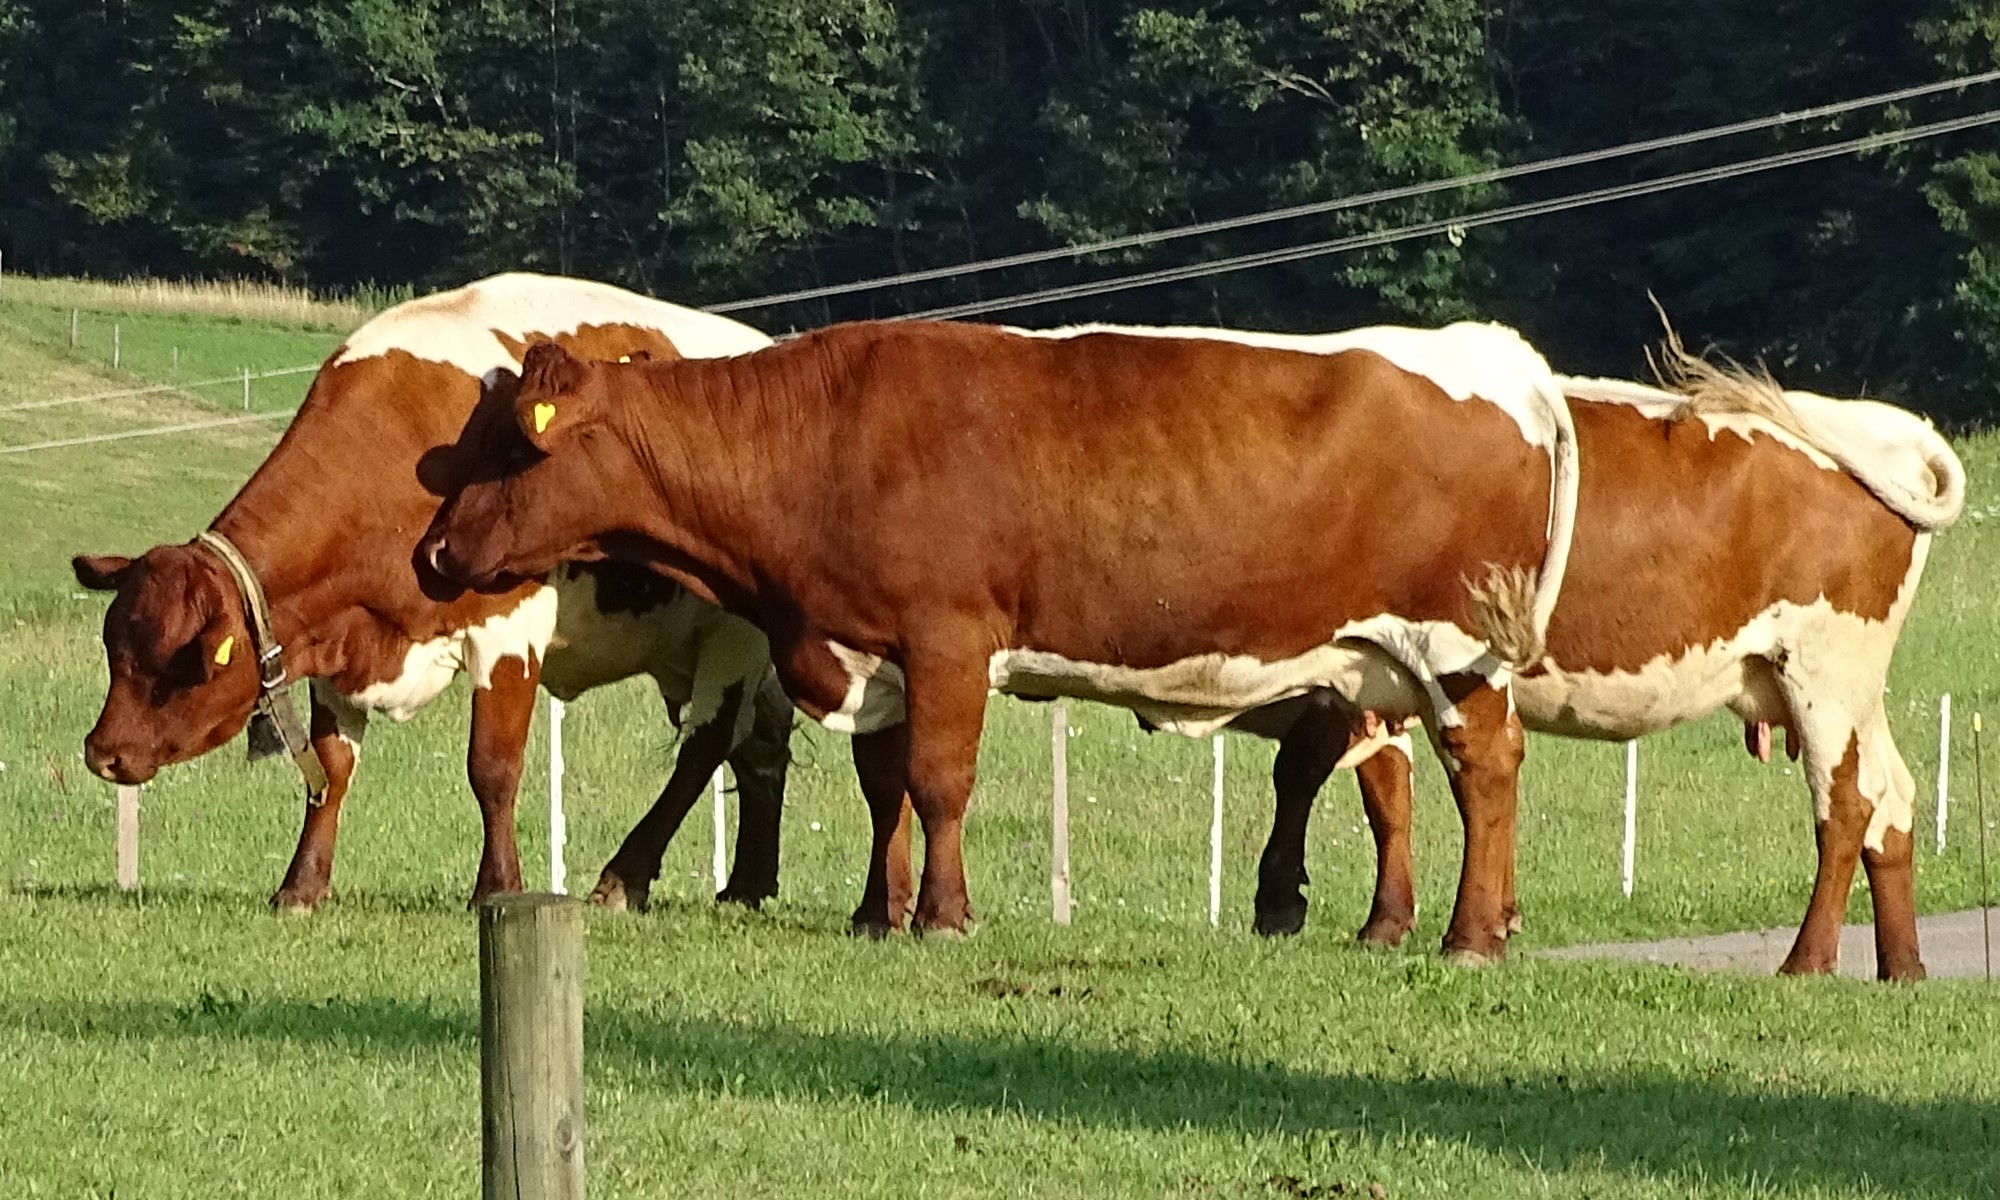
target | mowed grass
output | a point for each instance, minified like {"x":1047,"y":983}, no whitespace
{"x":183,"y":1043}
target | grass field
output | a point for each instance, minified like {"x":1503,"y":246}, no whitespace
{"x":183,"y":1043}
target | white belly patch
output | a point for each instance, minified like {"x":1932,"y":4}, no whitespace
{"x":1384,"y":663}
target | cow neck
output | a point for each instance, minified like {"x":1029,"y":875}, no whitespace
{"x":738,"y":411}
{"x":274,"y":717}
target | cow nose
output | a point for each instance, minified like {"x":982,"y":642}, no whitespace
{"x":104,"y":766}
{"x":432,"y":550}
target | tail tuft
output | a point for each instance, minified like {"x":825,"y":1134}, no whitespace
{"x":1503,"y":607}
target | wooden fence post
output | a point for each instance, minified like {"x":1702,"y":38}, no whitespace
{"x":128,"y":838}
{"x":531,"y":1047}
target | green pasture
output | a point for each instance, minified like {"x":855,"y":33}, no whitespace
{"x":184,"y":1043}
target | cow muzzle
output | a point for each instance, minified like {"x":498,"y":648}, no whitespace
{"x":114,"y":767}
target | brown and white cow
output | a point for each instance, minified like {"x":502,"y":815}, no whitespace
{"x":918,"y":513}
{"x":328,"y":525}
{"x":1736,"y":546}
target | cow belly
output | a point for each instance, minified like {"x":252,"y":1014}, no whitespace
{"x":1384,"y":664}
{"x":1620,"y":705}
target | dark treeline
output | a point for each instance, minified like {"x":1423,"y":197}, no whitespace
{"x":704,"y":150}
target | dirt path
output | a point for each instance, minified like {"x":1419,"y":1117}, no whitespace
{"x":1950,"y":943}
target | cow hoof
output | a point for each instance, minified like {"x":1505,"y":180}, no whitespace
{"x":1284,"y":921}
{"x":873,"y":930}
{"x":1808,"y":965}
{"x":1513,"y":922}
{"x":750,"y":898}
{"x":943,"y":933}
{"x":1384,"y":933}
{"x":1473,"y":957}
{"x":289,"y":907}
{"x":1901,"y":970}
{"x":613,"y":894}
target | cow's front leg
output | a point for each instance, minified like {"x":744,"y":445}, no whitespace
{"x":760,"y":763}
{"x":947,"y":711}
{"x":337,"y":728}
{"x":627,"y":880}
{"x":1482,"y":750}
{"x":501,"y":712}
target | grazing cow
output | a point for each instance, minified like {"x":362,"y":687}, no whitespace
{"x":320,"y":544}
{"x":1736,"y":546}
{"x":916,"y":513}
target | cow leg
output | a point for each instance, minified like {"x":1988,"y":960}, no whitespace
{"x":337,"y":727}
{"x":500,"y":716}
{"x":760,"y":763}
{"x":947,"y":713}
{"x":1840,"y":826}
{"x":902,"y":883}
{"x":881,"y":761}
{"x":1890,"y":880}
{"x":1482,"y":750}
{"x":627,"y":880}
{"x":1385,"y":796}
{"x":1306,"y":756}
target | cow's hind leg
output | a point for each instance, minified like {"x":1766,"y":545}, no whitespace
{"x":1384,"y":778}
{"x":760,"y":763}
{"x":501,"y":712}
{"x":1889,"y":864}
{"x":1482,"y":750}
{"x":627,"y":880}
{"x":1840,"y":824}
{"x":337,"y":727}
{"x":1306,"y":756}
{"x":881,"y":762}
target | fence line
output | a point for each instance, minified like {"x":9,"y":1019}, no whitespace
{"x":157,"y":431}
{"x":35,"y":405}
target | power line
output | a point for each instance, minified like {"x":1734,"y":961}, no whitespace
{"x":1463,"y":222}
{"x":95,"y":438}
{"x":1493,"y":175}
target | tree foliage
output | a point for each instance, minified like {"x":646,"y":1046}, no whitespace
{"x":711,"y":149}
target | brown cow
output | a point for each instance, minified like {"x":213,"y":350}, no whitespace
{"x":1736,"y":546}
{"x":327,"y":527}
{"x":916,"y":513}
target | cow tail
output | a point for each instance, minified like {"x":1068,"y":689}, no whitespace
{"x":1526,"y":600}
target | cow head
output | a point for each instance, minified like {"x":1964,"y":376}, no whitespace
{"x":548,"y":466}
{"x":183,"y":673}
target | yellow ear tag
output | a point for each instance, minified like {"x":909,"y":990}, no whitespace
{"x":222,"y":651}
{"x":544,"y":413}
{"x":624,"y":358}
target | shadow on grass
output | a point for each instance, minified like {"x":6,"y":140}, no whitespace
{"x":1656,"y":1126}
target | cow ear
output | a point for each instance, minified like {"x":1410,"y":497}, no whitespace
{"x":549,"y":397}
{"x":100,"y":572}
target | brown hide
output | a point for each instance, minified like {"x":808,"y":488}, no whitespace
{"x":1683,"y":537}
{"x":935,"y":493}
{"x":1108,"y":498}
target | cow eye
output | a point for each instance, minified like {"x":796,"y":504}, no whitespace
{"x":187,"y":669}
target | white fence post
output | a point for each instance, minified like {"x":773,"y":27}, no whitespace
{"x":128,"y":838}
{"x":558,"y":822}
{"x":1944,"y":765}
{"x":1059,"y":816}
{"x":1631,"y":814}
{"x":1215,"y":844}
{"x":114,"y":345}
{"x":721,"y":863}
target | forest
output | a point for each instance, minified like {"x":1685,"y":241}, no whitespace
{"x":710,"y":151}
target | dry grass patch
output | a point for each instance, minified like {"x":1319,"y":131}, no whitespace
{"x":240,"y":298}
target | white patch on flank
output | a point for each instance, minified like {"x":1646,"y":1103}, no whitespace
{"x":875,"y":693}
{"x":1465,"y":360}
{"x":428,"y":667}
{"x":1809,"y":666}
{"x":693,"y":651}
{"x":1895,"y":454}
{"x":457,"y":327}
